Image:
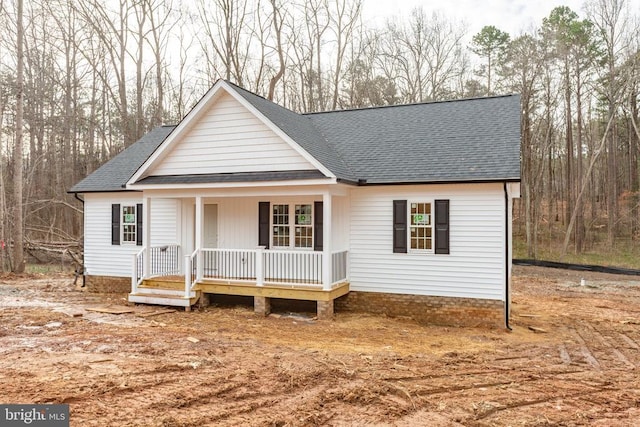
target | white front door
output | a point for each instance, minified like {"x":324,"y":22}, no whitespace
{"x":210,"y":238}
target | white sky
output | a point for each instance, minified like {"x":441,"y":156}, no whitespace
{"x":512,"y":16}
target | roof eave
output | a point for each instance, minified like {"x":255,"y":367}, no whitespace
{"x":364,"y":182}
{"x":124,"y":190}
{"x":247,"y":184}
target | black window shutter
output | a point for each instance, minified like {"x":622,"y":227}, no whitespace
{"x":317,"y":225}
{"x":400,"y":226}
{"x":263,"y":224}
{"x":442,"y":226}
{"x":139,"y":224}
{"x":115,"y":224}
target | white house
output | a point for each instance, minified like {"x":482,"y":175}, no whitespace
{"x":402,"y":210}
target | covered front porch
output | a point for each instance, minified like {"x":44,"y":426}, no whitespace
{"x":285,"y":247}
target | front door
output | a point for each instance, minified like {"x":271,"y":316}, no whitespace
{"x":210,"y":238}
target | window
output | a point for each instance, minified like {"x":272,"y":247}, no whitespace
{"x":298,"y":236}
{"x":304,"y":227}
{"x":421,"y":228}
{"x":281,"y":229}
{"x":128,"y":224}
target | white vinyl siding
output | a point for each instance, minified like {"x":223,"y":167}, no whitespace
{"x":238,"y":220}
{"x":101,"y":258}
{"x":229,"y":138}
{"x":475,"y":268}
{"x":340,"y":223}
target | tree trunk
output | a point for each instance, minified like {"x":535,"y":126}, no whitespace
{"x":580,"y":232}
{"x":18,"y":229}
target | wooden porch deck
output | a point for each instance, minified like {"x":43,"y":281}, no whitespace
{"x":230,"y":287}
{"x":304,"y":292}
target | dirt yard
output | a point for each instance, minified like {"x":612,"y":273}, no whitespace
{"x":224,"y":366}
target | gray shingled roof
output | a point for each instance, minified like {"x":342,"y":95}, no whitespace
{"x":113,"y":175}
{"x":464,"y":140}
{"x":450,"y":141}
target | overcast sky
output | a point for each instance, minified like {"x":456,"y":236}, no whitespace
{"x":512,"y":16}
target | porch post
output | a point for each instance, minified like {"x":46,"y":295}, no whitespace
{"x":326,"y":240}
{"x":260,"y":266}
{"x":199,"y":235}
{"x":146,"y":235}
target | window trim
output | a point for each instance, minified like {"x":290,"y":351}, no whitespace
{"x":431,"y":226}
{"x":134,"y":223}
{"x":292,"y":225}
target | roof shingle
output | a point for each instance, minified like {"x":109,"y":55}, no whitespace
{"x":113,"y":175}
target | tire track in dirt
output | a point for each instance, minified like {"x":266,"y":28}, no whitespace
{"x":606,"y":344}
{"x":583,"y":351}
{"x":531,"y":402}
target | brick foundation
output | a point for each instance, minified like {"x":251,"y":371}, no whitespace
{"x":445,"y":311}
{"x":107,"y":284}
{"x":204,"y":300}
{"x":262,"y":305}
{"x":325,"y":310}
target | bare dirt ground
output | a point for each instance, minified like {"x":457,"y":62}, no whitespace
{"x":580,"y":367}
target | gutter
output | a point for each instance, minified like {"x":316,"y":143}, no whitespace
{"x":506,"y":257}
{"x":84,"y":283}
{"x":364,"y":182}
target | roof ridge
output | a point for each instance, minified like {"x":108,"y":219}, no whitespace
{"x":413,"y":104}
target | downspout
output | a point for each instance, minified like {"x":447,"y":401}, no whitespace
{"x":506,"y":257}
{"x":83,"y":276}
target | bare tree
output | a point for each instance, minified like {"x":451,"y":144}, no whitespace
{"x":344,"y":20}
{"x":227,"y":32}
{"x":18,"y":225}
{"x":278,"y":23}
{"x":610,"y":20}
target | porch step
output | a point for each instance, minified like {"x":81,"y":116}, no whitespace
{"x":143,"y":297}
{"x":162,"y":291}
{"x":174,"y":283}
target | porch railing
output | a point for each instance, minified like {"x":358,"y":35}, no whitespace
{"x":232,"y":264}
{"x":190,"y":273}
{"x":164,"y":260}
{"x":339,"y":266}
{"x":292,"y":267}
{"x":257,"y":266}
{"x":138,"y":273}
{"x":263,"y":266}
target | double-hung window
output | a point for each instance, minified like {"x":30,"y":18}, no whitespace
{"x":292,"y":225}
{"x":128,"y":224}
{"x":421,"y":226}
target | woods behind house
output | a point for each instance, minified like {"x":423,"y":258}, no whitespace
{"x":81,"y":80}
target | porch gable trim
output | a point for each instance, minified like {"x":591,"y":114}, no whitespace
{"x":197,"y":112}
